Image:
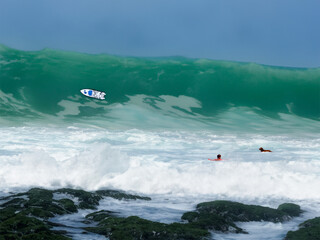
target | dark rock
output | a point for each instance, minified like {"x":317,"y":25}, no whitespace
{"x":234,"y":211}
{"x":308,"y":230}
{"x":23,"y":227}
{"x":222,"y":215}
{"x":68,"y":205}
{"x":25,"y":215}
{"x":136,"y":228}
{"x":7,"y":212}
{"x":39,"y":203}
{"x":293,"y":210}
{"x":211,"y":221}
{"x":120,"y":195}
{"x":87,"y":200}
{"x":99,"y":216}
{"x":14,"y":202}
{"x":38,"y":212}
{"x":90,"y":200}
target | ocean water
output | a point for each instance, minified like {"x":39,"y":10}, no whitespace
{"x":161,"y":121}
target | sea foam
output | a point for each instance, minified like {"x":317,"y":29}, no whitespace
{"x":160,"y":162}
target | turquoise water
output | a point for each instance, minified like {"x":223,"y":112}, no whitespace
{"x":156,"y":92}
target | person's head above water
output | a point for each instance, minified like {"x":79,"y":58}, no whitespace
{"x":263,"y":150}
{"x":218,"y":156}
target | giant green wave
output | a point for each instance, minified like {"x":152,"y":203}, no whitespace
{"x":41,"y":82}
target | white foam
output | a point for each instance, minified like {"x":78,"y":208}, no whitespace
{"x":229,"y":178}
{"x":160,"y":162}
{"x":85,"y":170}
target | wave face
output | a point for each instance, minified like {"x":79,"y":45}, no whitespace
{"x":155,"y":92}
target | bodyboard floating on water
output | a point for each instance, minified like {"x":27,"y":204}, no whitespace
{"x":215,"y":159}
{"x":93,"y":93}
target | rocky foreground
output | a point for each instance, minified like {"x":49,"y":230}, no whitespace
{"x":27,"y":216}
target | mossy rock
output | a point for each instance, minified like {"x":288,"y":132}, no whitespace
{"x":17,"y":215}
{"x":33,"y":236}
{"x":40,"y":203}
{"x":38,"y":212}
{"x":22,"y":224}
{"x":23,"y":227}
{"x":121,"y":195}
{"x":45,"y":236}
{"x":90,"y":200}
{"x":6,"y":213}
{"x":16,"y":221}
{"x":291,"y":209}
{"x":46,"y":211}
{"x":235,"y":211}
{"x":99,"y":216}
{"x":191,"y":216}
{"x":308,"y":230}
{"x":39,"y":194}
{"x":68,"y":205}
{"x":15,"y":202}
{"x":211,"y":221}
{"x":87,"y":200}
{"x":222,"y":215}
{"x":133,"y":228}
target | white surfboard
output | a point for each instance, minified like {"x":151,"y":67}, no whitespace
{"x":93,"y":93}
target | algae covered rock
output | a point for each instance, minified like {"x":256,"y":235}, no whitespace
{"x":87,"y":200}
{"x":20,"y":215}
{"x":121,"y":195}
{"x":25,"y":215}
{"x":68,"y":205}
{"x":293,"y":210}
{"x":90,"y":200}
{"x":243,"y":213}
{"x":99,"y":216}
{"x":130,"y":228}
{"x":20,"y":226}
{"x":211,"y":221}
{"x":222,"y":215}
{"x":39,"y":203}
{"x":42,"y":204}
{"x":308,"y":230}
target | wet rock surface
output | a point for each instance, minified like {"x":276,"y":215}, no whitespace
{"x":27,"y":216}
{"x":309,"y":230}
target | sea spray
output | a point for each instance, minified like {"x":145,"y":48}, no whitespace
{"x":161,"y":162}
{"x":86,"y":169}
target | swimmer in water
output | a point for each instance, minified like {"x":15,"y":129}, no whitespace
{"x":217,"y":159}
{"x":262,"y":150}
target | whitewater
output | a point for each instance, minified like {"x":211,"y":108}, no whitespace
{"x":161,"y":121}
